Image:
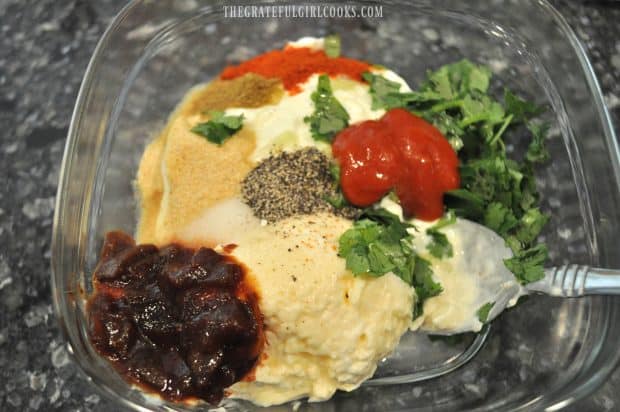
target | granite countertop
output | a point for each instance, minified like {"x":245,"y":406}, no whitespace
{"x":45,"y":46}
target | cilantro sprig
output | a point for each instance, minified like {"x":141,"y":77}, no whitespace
{"x":528,"y":264}
{"x":424,"y":284}
{"x":219,"y":127}
{"x":329,"y":116}
{"x":379,"y":243}
{"x":496,"y":191}
{"x":439,"y":246}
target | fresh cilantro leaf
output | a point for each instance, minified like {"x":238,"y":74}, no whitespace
{"x":440,"y":246}
{"x":528,"y":265}
{"x":458,"y":87}
{"x":353,"y":246}
{"x":424,"y":284}
{"x":350,"y":239}
{"x":522,"y":110}
{"x":513,"y":243}
{"x":423,"y":279}
{"x":464,"y":108}
{"x":465,"y":203}
{"x":479,"y":76}
{"x":536,"y":151}
{"x":358,"y":263}
{"x":364,"y":231}
{"x":499,"y":218}
{"x":380,"y":246}
{"x":508,"y":195}
{"x":530,"y":225}
{"x":332,"y":45}
{"x":484,"y":310}
{"x":388,"y":219}
{"x":380,"y":256}
{"x":529,"y":193}
{"x":481,"y":108}
{"x":329,"y":115}
{"x":231,"y":122}
{"x":379,"y":243}
{"x":458,"y":79}
{"x":494,"y":179}
{"x":219,"y":127}
{"x":386,"y":93}
{"x":449,"y":126}
{"x":496,"y":191}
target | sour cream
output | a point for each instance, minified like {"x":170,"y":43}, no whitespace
{"x":281,"y":126}
{"x":474,"y":276}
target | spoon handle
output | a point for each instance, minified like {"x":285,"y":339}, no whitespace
{"x":577,"y":280}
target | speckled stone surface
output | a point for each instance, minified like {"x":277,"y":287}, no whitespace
{"x":45,"y":46}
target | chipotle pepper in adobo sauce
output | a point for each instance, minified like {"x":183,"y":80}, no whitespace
{"x":179,"y":322}
{"x":400,"y":151}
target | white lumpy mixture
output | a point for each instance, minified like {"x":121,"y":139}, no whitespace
{"x":325,"y":328}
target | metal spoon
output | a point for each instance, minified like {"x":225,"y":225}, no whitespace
{"x":566,"y":281}
{"x":563,"y":281}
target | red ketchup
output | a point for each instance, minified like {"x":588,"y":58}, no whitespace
{"x":400,"y":151}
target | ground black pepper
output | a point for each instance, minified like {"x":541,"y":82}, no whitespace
{"x":290,"y":184}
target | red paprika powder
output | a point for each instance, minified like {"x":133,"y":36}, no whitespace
{"x":294,"y":65}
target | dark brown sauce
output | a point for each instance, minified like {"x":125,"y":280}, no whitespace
{"x":180,"y":322}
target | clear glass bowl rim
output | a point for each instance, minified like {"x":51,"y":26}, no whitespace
{"x":584,"y":389}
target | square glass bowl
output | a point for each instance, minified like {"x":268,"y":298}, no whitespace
{"x":542,"y":355}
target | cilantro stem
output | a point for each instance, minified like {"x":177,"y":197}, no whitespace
{"x":472,"y":119}
{"x":450,"y":104}
{"x":502,"y":129}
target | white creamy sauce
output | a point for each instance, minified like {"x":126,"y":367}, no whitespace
{"x":473,"y":276}
{"x":314,"y":43}
{"x":281,"y":126}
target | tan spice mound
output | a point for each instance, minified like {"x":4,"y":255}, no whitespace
{"x":181,"y":173}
